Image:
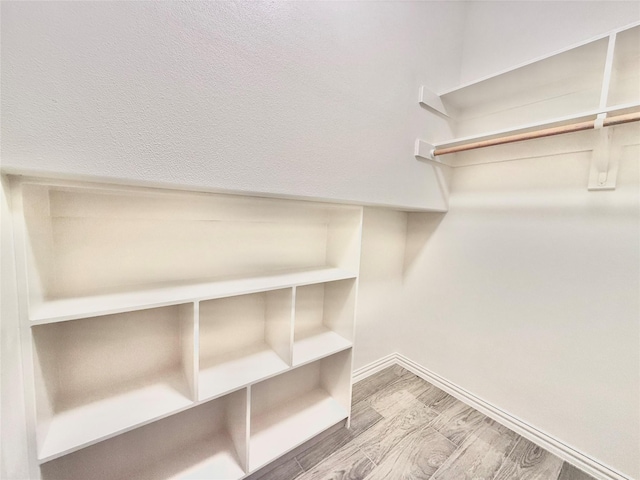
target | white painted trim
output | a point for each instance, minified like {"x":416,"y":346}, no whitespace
{"x":374,"y":367}
{"x":553,"y":445}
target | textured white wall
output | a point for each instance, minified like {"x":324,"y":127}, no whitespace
{"x":302,"y":99}
{"x":526,"y":294}
{"x":502,"y":34}
{"x":380,"y":296}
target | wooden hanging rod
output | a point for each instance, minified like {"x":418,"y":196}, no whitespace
{"x":547,"y":132}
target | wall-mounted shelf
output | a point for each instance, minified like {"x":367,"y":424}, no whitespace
{"x":599,"y":78}
{"x":114,"y":360}
{"x":625,"y":75}
{"x":555,"y":86}
{"x":140,"y":298}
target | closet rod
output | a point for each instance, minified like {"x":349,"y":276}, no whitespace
{"x":547,"y":132}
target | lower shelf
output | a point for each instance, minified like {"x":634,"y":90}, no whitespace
{"x":207,"y":442}
{"x":84,"y":425}
{"x":253,"y":365}
{"x":320,"y":344}
{"x":214,"y":459}
{"x":280,"y":430}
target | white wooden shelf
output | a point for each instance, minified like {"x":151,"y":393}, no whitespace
{"x":243,"y":339}
{"x":625,"y":75}
{"x":289,"y":409}
{"x":555,"y":86}
{"x":278,"y":431}
{"x":258,"y":364}
{"x":96,"y":305}
{"x":318,"y":345}
{"x":600,"y":76}
{"x":213,"y":459}
{"x":175,"y":325}
{"x":323,"y":320}
{"x":548,"y":123}
{"x":87,"y":424}
{"x":205,"y":442}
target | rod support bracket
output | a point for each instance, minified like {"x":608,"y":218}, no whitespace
{"x":604,"y":160}
{"x":425,"y":151}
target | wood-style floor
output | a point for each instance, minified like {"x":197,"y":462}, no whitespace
{"x":405,"y":428}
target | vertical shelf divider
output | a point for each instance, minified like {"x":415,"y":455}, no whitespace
{"x":335,"y":378}
{"x":278,"y":304}
{"x":237,"y":423}
{"x":247,"y":431}
{"x":190,"y":346}
{"x":292,"y":331}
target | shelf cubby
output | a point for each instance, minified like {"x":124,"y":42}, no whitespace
{"x":243,"y":339}
{"x":323,"y":320}
{"x":208,"y":442}
{"x":289,"y":409}
{"x":102,"y":376}
{"x":624,"y":87}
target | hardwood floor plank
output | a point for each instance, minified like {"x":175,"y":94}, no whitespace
{"x":528,"y":461}
{"x":417,"y":457}
{"x":397,"y":396}
{"x":479,"y":457}
{"x":401,"y":372}
{"x":363,"y":417}
{"x":436,"y":399}
{"x":458,"y":422}
{"x":324,"y":448}
{"x":370,"y":385}
{"x":348,"y":463}
{"x":569,"y":472}
{"x":382,"y":438}
{"x":285,"y":471}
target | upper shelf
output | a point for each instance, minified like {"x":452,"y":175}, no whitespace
{"x":176,"y":293}
{"x":625,"y":74}
{"x":577,"y":84}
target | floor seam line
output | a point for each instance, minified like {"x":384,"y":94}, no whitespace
{"x":367,"y":456}
{"x":504,"y":462}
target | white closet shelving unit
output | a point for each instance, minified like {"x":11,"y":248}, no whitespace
{"x":598,"y":77}
{"x":180,"y":335}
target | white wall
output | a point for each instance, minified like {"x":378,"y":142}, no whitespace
{"x":379,"y":309}
{"x":526,"y":294}
{"x":302,"y":99}
{"x":502,"y":34}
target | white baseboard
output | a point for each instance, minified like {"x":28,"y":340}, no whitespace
{"x":374,"y":367}
{"x":553,"y":445}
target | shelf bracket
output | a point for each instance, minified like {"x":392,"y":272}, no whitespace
{"x":604,"y":162}
{"x":425,"y":151}
{"x":432,"y":100}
